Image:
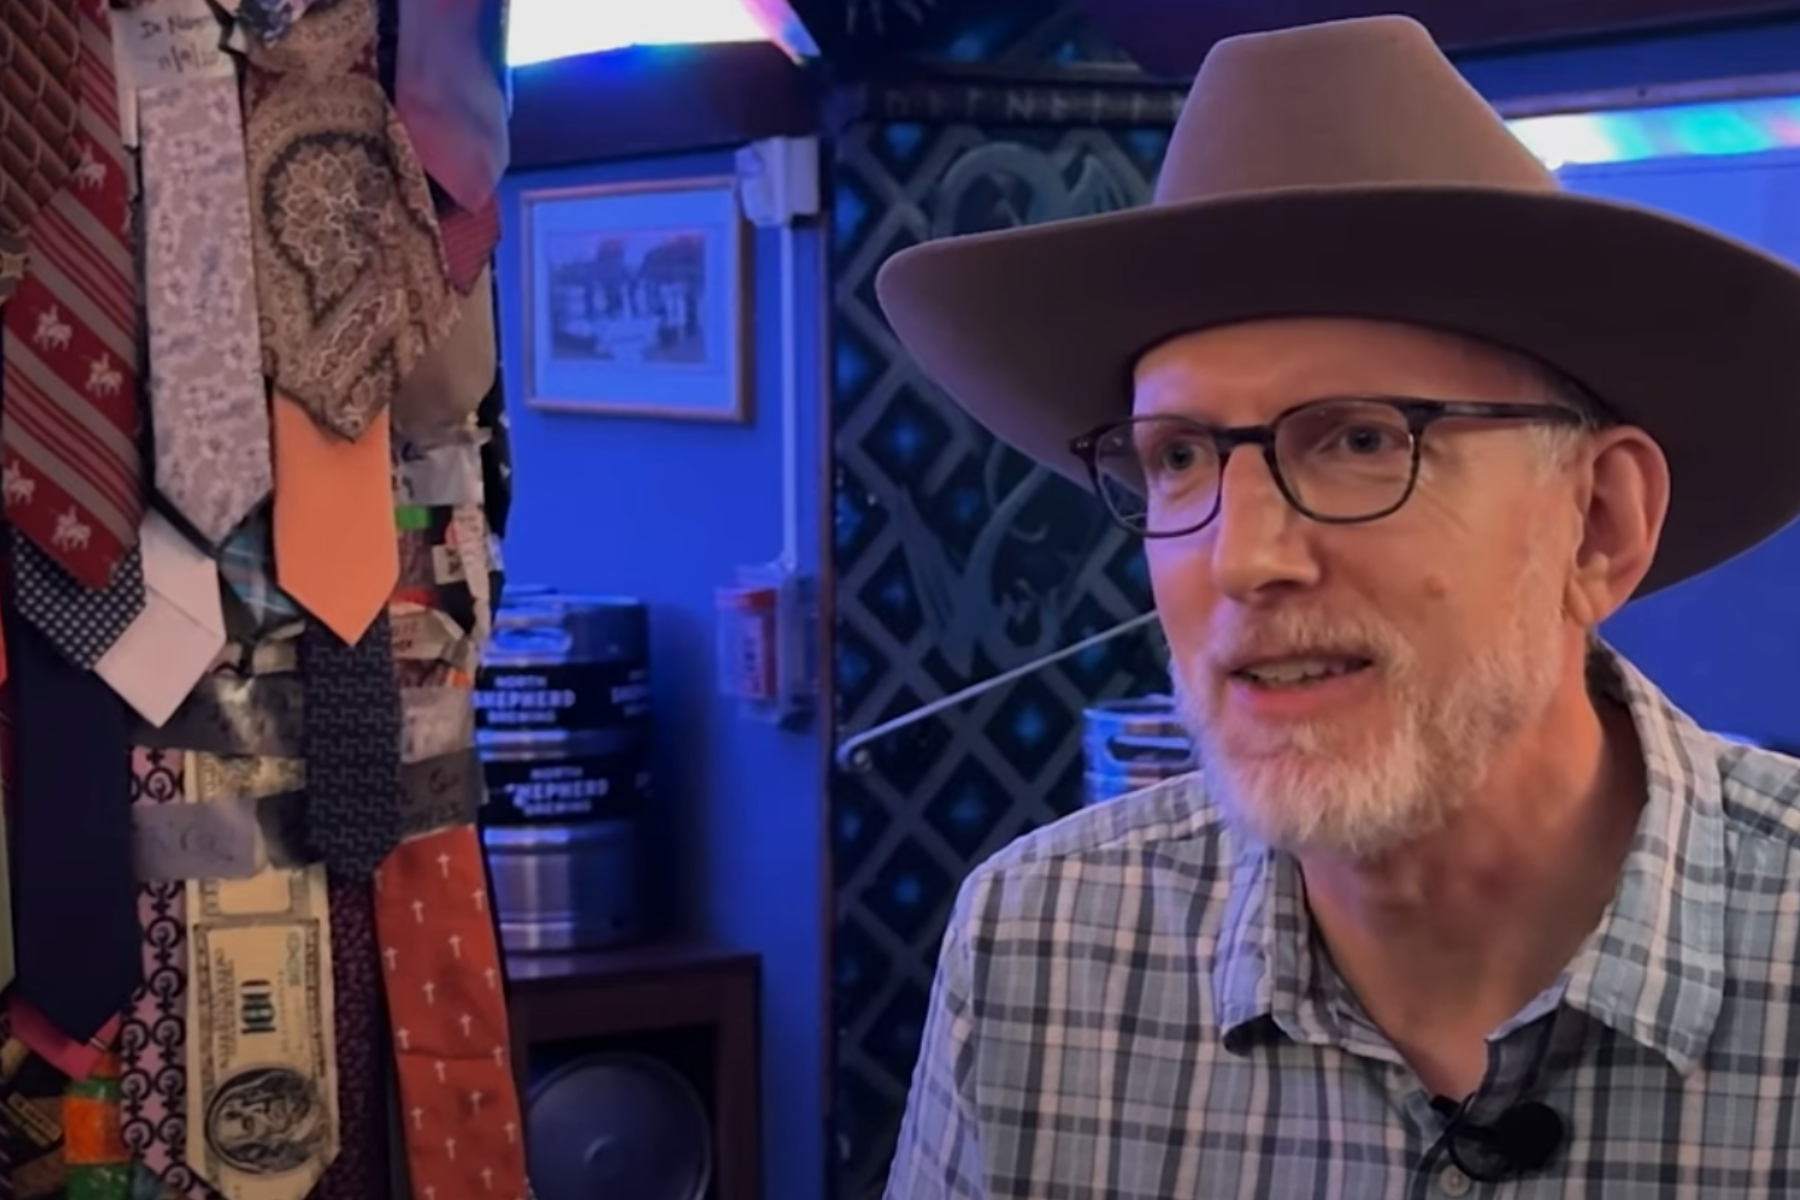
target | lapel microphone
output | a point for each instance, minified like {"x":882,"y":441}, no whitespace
{"x":1521,"y":1140}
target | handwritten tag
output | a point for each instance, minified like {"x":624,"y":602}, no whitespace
{"x":170,"y":42}
{"x":440,"y":792}
{"x":195,"y":841}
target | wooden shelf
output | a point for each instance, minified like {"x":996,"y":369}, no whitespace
{"x":649,"y":989}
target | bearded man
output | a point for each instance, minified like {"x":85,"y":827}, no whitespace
{"x":1458,"y":901}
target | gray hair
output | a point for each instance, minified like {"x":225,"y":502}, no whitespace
{"x":1557,"y":444}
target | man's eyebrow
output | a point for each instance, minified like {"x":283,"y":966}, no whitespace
{"x":1185,"y":407}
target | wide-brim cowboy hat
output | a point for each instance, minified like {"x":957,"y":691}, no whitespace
{"x":1347,"y":169}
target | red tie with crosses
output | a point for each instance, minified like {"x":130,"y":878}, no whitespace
{"x":441,"y":964}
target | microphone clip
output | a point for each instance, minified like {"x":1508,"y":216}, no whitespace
{"x":1521,"y":1140}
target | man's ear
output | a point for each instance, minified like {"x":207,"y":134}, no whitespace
{"x":1624,"y":502}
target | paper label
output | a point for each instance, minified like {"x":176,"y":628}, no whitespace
{"x":196,"y":841}
{"x":165,"y":43}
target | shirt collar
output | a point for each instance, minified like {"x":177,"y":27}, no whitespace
{"x":1654,"y":971}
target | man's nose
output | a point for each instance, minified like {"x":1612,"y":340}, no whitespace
{"x":1259,"y":541}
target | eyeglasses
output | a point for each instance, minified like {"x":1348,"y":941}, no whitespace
{"x":1337,"y":461}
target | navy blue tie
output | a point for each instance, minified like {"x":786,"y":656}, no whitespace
{"x":352,"y":748}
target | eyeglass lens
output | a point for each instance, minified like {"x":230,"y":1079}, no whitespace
{"x":1343,"y":460}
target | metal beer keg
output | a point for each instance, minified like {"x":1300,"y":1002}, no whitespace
{"x":562,"y":710}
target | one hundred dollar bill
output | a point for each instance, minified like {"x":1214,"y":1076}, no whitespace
{"x":261,"y":1047}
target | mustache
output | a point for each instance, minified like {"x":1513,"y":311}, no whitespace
{"x":1289,"y":633}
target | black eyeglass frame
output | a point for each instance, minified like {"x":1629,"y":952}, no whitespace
{"x":1419,"y":414}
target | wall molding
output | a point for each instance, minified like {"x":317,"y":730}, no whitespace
{"x":974,"y":101}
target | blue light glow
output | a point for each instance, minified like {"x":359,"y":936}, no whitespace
{"x":1710,"y":129}
{"x":540,"y":30}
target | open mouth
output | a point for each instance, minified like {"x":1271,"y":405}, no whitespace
{"x":1298,"y":672}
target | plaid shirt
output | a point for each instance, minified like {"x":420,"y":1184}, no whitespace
{"x":1130,"y":1005}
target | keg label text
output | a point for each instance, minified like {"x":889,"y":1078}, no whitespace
{"x":578,"y":787}
{"x":569,"y":696}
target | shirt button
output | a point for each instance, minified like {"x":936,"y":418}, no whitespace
{"x":1454,"y":1182}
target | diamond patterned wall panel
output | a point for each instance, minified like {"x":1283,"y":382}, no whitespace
{"x":954,"y":559}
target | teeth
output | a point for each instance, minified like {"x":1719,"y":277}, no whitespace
{"x":1300,"y":670}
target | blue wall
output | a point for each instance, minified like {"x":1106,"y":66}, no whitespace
{"x":1748,"y":48}
{"x":1724,"y":646}
{"x":666,"y":511}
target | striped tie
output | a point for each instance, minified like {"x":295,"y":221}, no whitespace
{"x":73,"y":479}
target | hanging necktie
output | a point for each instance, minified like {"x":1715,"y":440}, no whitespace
{"x":6,"y":914}
{"x":73,"y":871}
{"x":50,"y":1046}
{"x":363,"y":1165}
{"x":441,"y":963}
{"x":248,"y":568}
{"x":7,"y":782}
{"x":352,"y":293}
{"x":448,"y":91}
{"x":73,"y":1058}
{"x":72,"y":475}
{"x":333,"y":523}
{"x":39,"y":45}
{"x":209,"y":406}
{"x":31,"y":1135}
{"x":161,"y":655}
{"x":349,"y":266}
{"x":352,"y":752}
{"x":352,"y":748}
{"x":96,"y":1162}
{"x":444,"y":391}
{"x":469,"y":241}
{"x":153,"y":1037}
{"x":81,"y":624}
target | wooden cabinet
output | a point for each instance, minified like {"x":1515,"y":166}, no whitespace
{"x":562,"y":998}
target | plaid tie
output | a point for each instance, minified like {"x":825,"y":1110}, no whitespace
{"x":38,"y":49}
{"x":73,"y":479}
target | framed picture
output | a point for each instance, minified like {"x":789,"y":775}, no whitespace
{"x":635,"y":300}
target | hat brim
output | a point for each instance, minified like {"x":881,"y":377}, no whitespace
{"x":1691,"y":335}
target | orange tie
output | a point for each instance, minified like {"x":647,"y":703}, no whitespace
{"x":441,"y":966}
{"x":336,"y":552}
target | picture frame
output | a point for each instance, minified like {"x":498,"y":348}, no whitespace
{"x":636,"y":300}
